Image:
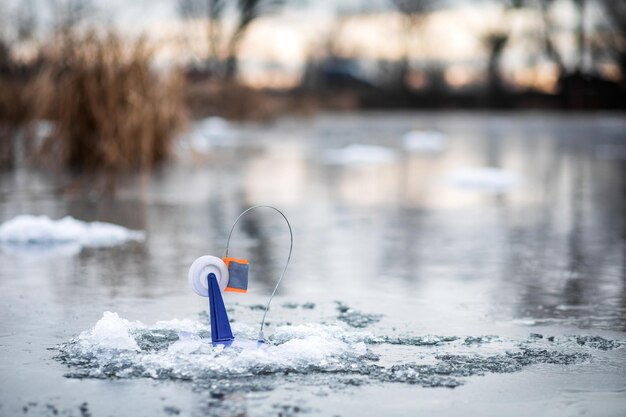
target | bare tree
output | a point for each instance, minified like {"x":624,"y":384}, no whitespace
{"x":549,"y":47}
{"x":495,"y":41}
{"x":213,"y":12}
{"x":413,"y":14}
{"x":26,"y":21}
{"x":248,"y":11}
{"x":615,"y":11}
{"x":327,"y":47}
{"x":581,"y":34}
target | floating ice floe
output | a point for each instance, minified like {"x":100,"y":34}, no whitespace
{"x":487,"y":179}
{"x":210,"y":133}
{"x":40,"y":232}
{"x":425,"y":141}
{"x":359,"y":154}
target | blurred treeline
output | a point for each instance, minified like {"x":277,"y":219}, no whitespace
{"x":79,"y":93}
{"x":580,"y":45}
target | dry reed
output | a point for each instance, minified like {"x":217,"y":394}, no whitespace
{"x":14,"y":112}
{"x":226,"y":99}
{"x":111,"y":110}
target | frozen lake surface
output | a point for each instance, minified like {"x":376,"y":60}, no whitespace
{"x":486,"y":278}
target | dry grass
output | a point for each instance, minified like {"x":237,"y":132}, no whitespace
{"x":226,"y":99}
{"x":235,"y":101}
{"x":14,"y":112}
{"x":112,"y":112}
{"x":13,"y":106}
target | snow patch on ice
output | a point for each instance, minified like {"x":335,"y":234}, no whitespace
{"x":210,"y":133}
{"x":487,"y":179}
{"x":359,"y":154}
{"x":425,"y":141}
{"x":30,"y":232}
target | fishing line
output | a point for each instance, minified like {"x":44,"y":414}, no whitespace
{"x":267,"y":307}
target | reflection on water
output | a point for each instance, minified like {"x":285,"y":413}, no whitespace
{"x":393,"y":237}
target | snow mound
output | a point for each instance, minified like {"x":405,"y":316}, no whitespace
{"x":487,"y":179}
{"x":425,"y":141}
{"x":28,"y":230}
{"x":111,"y":332}
{"x":358,"y":154}
{"x":210,"y":133}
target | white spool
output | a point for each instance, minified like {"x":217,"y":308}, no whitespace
{"x":200,"y":270}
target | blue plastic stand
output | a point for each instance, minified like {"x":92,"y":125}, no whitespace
{"x":220,"y":326}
